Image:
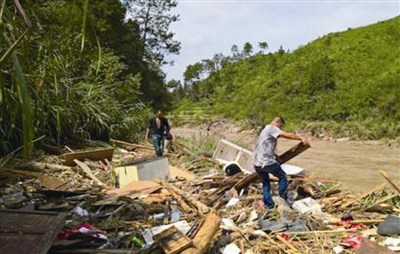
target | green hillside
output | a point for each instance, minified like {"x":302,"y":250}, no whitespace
{"x":346,"y":84}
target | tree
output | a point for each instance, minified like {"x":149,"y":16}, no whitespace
{"x":235,"y":52}
{"x":247,"y":49}
{"x":263,"y":47}
{"x":154,"y":19}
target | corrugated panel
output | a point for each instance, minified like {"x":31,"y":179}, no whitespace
{"x":29,"y":232}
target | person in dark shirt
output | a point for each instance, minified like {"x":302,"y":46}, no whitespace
{"x":158,"y":128}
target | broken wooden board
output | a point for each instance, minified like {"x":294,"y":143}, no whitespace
{"x":146,"y":187}
{"x":52,"y":183}
{"x":28,"y":231}
{"x":88,"y":171}
{"x":176,"y":172}
{"x":172,"y":240}
{"x":94,"y":155}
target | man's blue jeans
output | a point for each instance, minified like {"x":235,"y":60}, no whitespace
{"x":158,"y":143}
{"x":277,"y":171}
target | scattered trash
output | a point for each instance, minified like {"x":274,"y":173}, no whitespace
{"x":232,"y":202}
{"x":338,"y":249}
{"x":231,"y":249}
{"x":106,"y":209}
{"x":307,"y":206}
{"x":392,"y":243}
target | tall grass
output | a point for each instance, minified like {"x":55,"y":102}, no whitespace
{"x":58,"y":83}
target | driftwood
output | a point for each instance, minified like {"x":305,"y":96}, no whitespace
{"x":205,"y":235}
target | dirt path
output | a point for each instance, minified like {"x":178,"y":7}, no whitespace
{"x":355,"y":164}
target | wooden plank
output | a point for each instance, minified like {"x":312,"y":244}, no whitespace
{"x":28,"y":231}
{"x":178,"y":172}
{"x":94,"y":155}
{"x":88,"y":171}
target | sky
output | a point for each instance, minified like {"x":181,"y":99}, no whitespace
{"x":207,"y":27}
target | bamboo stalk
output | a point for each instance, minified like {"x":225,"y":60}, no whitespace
{"x":385,"y":175}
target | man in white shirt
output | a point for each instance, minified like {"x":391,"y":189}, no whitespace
{"x":266,"y":161}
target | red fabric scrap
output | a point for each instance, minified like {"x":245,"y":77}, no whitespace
{"x":352,"y":240}
{"x":83,"y":229}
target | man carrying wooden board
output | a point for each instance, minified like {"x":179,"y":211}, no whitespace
{"x":266,"y":161}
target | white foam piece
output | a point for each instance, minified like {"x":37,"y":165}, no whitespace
{"x":293,"y":170}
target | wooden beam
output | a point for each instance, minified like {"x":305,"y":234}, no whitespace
{"x":293,"y":152}
{"x":94,"y":155}
{"x":205,"y":235}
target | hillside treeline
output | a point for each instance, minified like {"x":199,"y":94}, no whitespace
{"x":342,"y":84}
{"x":81,"y":69}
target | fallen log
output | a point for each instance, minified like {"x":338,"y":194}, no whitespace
{"x":205,"y":235}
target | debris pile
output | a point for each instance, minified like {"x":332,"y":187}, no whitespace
{"x":84,"y":210}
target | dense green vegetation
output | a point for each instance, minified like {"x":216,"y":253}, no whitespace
{"x":346,"y":84}
{"x":81,"y":69}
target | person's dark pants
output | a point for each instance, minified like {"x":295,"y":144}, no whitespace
{"x":277,"y":171}
{"x":158,"y":143}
